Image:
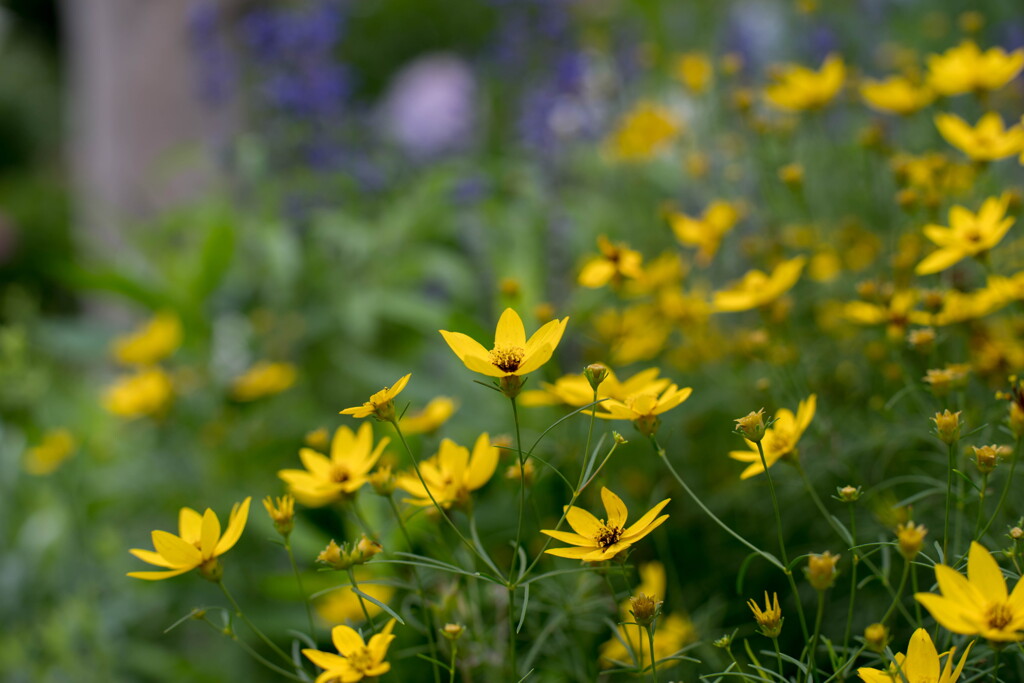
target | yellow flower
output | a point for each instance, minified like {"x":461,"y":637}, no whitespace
{"x":821,"y":570}
{"x":597,"y":540}
{"x":920,"y":665}
{"x":693,"y":69}
{"x":381,"y":404}
{"x":910,"y":538}
{"x":643,"y":133}
{"x":147,"y":392}
{"x":965,"y":68}
{"x":895,"y":314}
{"x":770,"y":618}
{"x":780,"y":440}
{"x":758,"y":289}
{"x":575,"y":390}
{"x":198,"y":544}
{"x":896,"y":95}
{"x":357,"y":660}
{"x":798,"y":88}
{"x":263,"y":379}
{"x":705,"y":232}
{"x":57,"y":446}
{"x":615,"y":263}
{"x":326,"y":480}
{"x":643,"y":408}
{"x":512,"y":353}
{"x":452,"y":473}
{"x":341,"y":605}
{"x":150,"y":344}
{"x":433,"y":415}
{"x":282,"y":513}
{"x":989,"y":140}
{"x":968,"y":234}
{"x":978,"y":604}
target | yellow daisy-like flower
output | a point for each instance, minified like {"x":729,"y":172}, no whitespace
{"x":989,"y":140}
{"x":148,"y":392}
{"x":382,"y":404}
{"x":615,"y":263}
{"x":433,"y":415}
{"x":597,"y":540}
{"x":643,"y":408}
{"x":968,"y":234}
{"x":965,"y":68}
{"x":575,"y":390}
{"x":758,"y":289}
{"x":694,"y":70}
{"x":798,"y":88}
{"x":780,"y":440}
{"x":706,"y":232}
{"x":156,"y":340}
{"x":768,"y":619}
{"x":57,"y":446}
{"x":263,"y":379}
{"x":326,"y":480}
{"x":512,"y":353}
{"x":452,"y":473}
{"x":977,"y":604}
{"x":198,"y":544}
{"x":643,"y":133}
{"x":896,"y":95}
{"x":920,"y":665}
{"x":356,"y":659}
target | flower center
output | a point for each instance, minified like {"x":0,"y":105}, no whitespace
{"x":361,"y":660}
{"x":340,"y":475}
{"x":507,"y":357}
{"x":608,"y":535}
{"x":999,"y":615}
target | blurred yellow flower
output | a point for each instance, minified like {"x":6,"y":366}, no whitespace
{"x":821,"y":570}
{"x":968,"y":234}
{"x":147,"y":392}
{"x":281,"y":512}
{"x":757,"y":289}
{"x":896,"y":95}
{"x":198,"y":544}
{"x":156,"y":340}
{"x":896,"y":313}
{"x":597,"y":540}
{"x":57,"y":446}
{"x":341,"y":605}
{"x":705,"y":232}
{"x":965,"y":68}
{"x":643,"y":133}
{"x":989,"y":140}
{"x":920,"y":665}
{"x":634,"y":333}
{"x":326,"y":480}
{"x":769,"y":619}
{"x":381,"y":404}
{"x":512,"y":353}
{"x":798,"y":88}
{"x":694,"y":70}
{"x":433,"y":415}
{"x":575,"y":390}
{"x":643,"y":408}
{"x":263,"y":379}
{"x":452,"y":473}
{"x":978,"y":604}
{"x":780,"y":439}
{"x":356,"y":659}
{"x":615,"y":263}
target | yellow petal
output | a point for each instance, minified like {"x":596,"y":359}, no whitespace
{"x":568,"y":537}
{"x":984,"y":574}
{"x":645,"y":520}
{"x":236,"y":523}
{"x":396,"y":388}
{"x":582,"y":522}
{"x":939,"y":260}
{"x":482,"y":463}
{"x":316,"y":463}
{"x":535,"y":358}
{"x":156,"y":576}
{"x":957,"y":588}
{"x":177,"y":552}
{"x":510,"y":331}
{"x":463,"y":345}
{"x":549,"y":334}
{"x":947,"y":613}
{"x":190,"y":524}
{"x":570,"y":553}
{"x":151,"y":557}
{"x":922,"y":660}
{"x":346,"y":640}
{"x":210,"y":534}
{"x":324,"y":660}
{"x":614,"y":508}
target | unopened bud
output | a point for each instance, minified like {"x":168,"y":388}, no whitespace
{"x":849,"y":494}
{"x":911,"y":538}
{"x":644,"y":609}
{"x":985,"y":458}
{"x":452,"y":631}
{"x":821,"y":570}
{"x":947,"y":426}
{"x":876,"y":637}
{"x":751,"y":426}
{"x":595,"y":374}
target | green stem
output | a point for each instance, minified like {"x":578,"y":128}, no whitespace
{"x":917,"y":605}
{"x":995,"y":666}
{"x":522,"y":494}
{"x":252,"y":653}
{"x":782,"y":543}
{"x":949,"y":502}
{"x":812,"y":648}
{"x":1006,"y":487}
{"x":981,"y":506}
{"x":853,"y":580}
{"x":362,"y":603}
{"x":654,"y":660}
{"x":693,"y":496}
{"x":778,"y":657}
{"x":899,"y":590}
{"x":252,"y":626}
{"x":302,"y":591}
{"x":451,"y":667}
{"x":512,"y":634}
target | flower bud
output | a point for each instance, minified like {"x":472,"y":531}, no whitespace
{"x":751,"y":426}
{"x":1016,"y":533}
{"x":595,"y":374}
{"x":922,"y":339}
{"x":947,"y":426}
{"x":792,"y":175}
{"x":849,"y":494}
{"x":318,"y":439}
{"x":383,"y":481}
{"x":769,"y":620}
{"x":619,"y":438}
{"x":725,"y":641}
{"x":821,"y":570}
{"x":365,"y":549}
{"x":985,"y":458}
{"x":452,"y":631}
{"x":212,"y":570}
{"x":332,"y":557}
{"x":876,"y":637}
{"x":910,"y":538}
{"x":644,"y":609}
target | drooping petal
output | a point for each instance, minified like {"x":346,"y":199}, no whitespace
{"x":236,"y":523}
{"x":151,"y":557}
{"x":210,"y":534}
{"x":510,"y":331}
{"x":482,"y":463}
{"x":570,"y":553}
{"x":156,"y":576}
{"x":177,"y":552}
{"x":346,"y":640}
{"x":582,"y":522}
{"x":463,"y":345}
{"x":614,"y":508}
{"x":869,"y":675}
{"x":569,"y":537}
{"x":922,"y":659}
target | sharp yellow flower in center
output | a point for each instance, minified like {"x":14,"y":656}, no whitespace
{"x":596,"y":539}
{"x":920,"y":664}
{"x":780,"y":439}
{"x":978,"y":604}
{"x":512,"y":353}
{"x":382,"y":404}
{"x":198,"y":544}
{"x":356,"y":659}
{"x":452,"y":474}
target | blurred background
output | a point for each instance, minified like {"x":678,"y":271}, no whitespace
{"x":316,"y":187}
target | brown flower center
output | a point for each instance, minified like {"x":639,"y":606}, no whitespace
{"x":361,"y":660}
{"x":506,"y":357}
{"x":340,"y":475}
{"x":999,"y":615}
{"x":608,"y":535}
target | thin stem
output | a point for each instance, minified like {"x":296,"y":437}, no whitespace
{"x":778,"y":657}
{"x":913,"y":584}
{"x":362,"y":603}
{"x":981,"y":506}
{"x":302,"y":591}
{"x":693,"y":496}
{"x":995,"y":667}
{"x":1006,"y":487}
{"x":230,"y":633}
{"x":351,"y":505}
{"x":451,"y":667}
{"x":255,"y":629}
{"x":515,"y":546}
{"x":512,"y":634}
{"x":899,"y":590}
{"x":853,"y":579}
{"x":949,"y":502}
{"x":812,"y":648}
{"x":654,"y":660}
